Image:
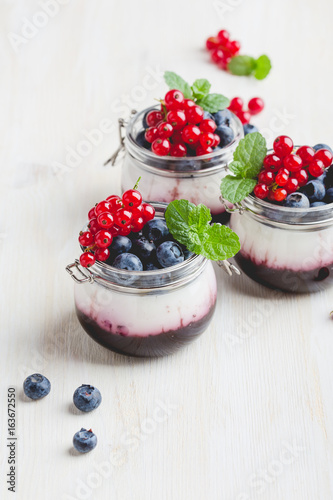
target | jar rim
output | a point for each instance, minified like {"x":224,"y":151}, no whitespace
{"x":222,"y":155}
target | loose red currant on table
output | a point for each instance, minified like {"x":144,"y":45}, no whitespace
{"x":217,"y":56}
{"x":105,"y":220}
{"x":212,"y":42}
{"x":102,"y":254}
{"x":291,"y":185}
{"x":325,"y":156}
{"x":282,"y":177}
{"x":261,"y":191}
{"x":293,"y":163}
{"x":280,"y":194}
{"x":87,"y":259}
{"x":208,"y":126}
{"x":306,"y":154}
{"x":316,"y":168}
{"x":302,"y":177}
{"x":178,"y":150}
{"x":207,"y":139}
{"x":224,"y":61}
{"x":283,"y":146}
{"x":272,"y":162}
{"x":123,"y":217}
{"x":191,"y":134}
{"x":233,"y":47}
{"x":151,"y":134}
{"x":164,"y":130}
{"x":255,"y":105}
{"x":153,"y":118}
{"x":103,"y":238}
{"x":174,"y":99}
{"x":177,"y":119}
{"x":160,"y":147}
{"x":223,"y":37}
{"x":244,"y":116}
{"x":132,"y":198}
{"x":236,"y":104}
{"x":194,"y":115}
{"x":86,"y":239}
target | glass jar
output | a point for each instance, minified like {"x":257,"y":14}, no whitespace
{"x":285,"y":248}
{"x":167,"y":178}
{"x":147,"y":313}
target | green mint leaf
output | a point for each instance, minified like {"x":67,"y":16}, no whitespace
{"x":236,"y":167}
{"x":263,"y":67}
{"x":242,"y":65}
{"x":175,"y":81}
{"x":235,"y":189}
{"x":250,"y":152}
{"x":190,"y":225}
{"x":213,"y":102}
{"x":201,"y":88}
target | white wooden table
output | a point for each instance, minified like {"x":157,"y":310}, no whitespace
{"x":247,"y":411}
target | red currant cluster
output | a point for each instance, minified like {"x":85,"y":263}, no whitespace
{"x":114,"y":216}
{"x":285,"y":171}
{"x":255,"y":106}
{"x":180,"y":127}
{"x":222,"y":49}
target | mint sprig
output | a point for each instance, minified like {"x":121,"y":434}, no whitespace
{"x":247,"y":65}
{"x":199,"y":92}
{"x":190,"y":225}
{"x":246,"y":165}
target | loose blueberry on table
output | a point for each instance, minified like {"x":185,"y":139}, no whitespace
{"x":84,"y":440}
{"x":87,"y":398}
{"x":36,"y":386}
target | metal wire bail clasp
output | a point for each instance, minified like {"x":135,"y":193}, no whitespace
{"x":228,"y":267}
{"x":121,"y":125}
{"x":86,"y":276}
{"x":236,"y":207}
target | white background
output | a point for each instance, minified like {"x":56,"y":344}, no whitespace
{"x":244,"y":413}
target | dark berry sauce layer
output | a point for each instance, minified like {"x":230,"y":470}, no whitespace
{"x":150,"y":346}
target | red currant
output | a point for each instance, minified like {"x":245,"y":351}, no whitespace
{"x":217,"y":55}
{"x":208,"y":126}
{"x":291,"y":185}
{"x":102,"y":254}
{"x":87,"y":259}
{"x":203,"y":150}
{"x":194,"y":115}
{"x":272,"y":162}
{"x":148,"y":212}
{"x":224,"y":61}
{"x":91,"y":213}
{"x":255,"y":105}
{"x":266,"y":177}
{"x":177,"y":138}
{"x":325,"y":156}
{"x":283,"y":146}
{"x":191,"y":134}
{"x":165,"y":130}
{"x":174,"y":99}
{"x":302,"y":177}
{"x":124,"y":231}
{"x":103,"y":206}
{"x":93,"y":226}
{"x":103,"y":238}
{"x":212,"y":42}
{"x":132,"y":198}
{"x":270,"y":195}
{"x":178,"y":150}
{"x":207,"y":139}
{"x":115,"y":230}
{"x":115,"y":203}
{"x":233,"y":47}
{"x":293,"y":163}
{"x":223,"y":36}
{"x":282,"y":177}
{"x":316,"y":168}
{"x":151,"y":134}
{"x":217,"y":140}
{"x":137,"y":212}
{"x":105,"y":220}
{"x":123,"y":217}
{"x":153,"y":118}
{"x":244,"y":117}
{"x":280,"y":194}
{"x":261,"y":191}
{"x":86,"y":239}
{"x":160,"y":147}
{"x":177,"y":119}
{"x":236,"y":104}
{"x":188,"y":103}
{"x":137,"y":224}
{"x":306,"y":153}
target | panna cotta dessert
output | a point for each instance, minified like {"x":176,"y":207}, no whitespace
{"x":141,"y":290}
{"x":182,"y":147}
{"x":285,"y":224}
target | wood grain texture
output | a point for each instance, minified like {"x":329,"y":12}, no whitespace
{"x":246,"y":412}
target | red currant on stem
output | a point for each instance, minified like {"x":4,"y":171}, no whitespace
{"x":188,"y":103}
{"x":272,"y":162}
{"x":102,"y":254}
{"x":223,"y":36}
{"x":266,"y":177}
{"x":280,"y":194}
{"x":233,"y":47}
{"x":132,"y":198}
{"x":306,"y":154}
{"x":105,"y":220}
{"x":165,"y":130}
{"x":86,"y":239}
{"x":160,"y":147}
{"x":103,"y":206}
{"x":153,"y":118}
{"x":177,"y":137}
{"x":151,"y":134}
{"x":177,"y":119}
{"x":283,"y":146}
{"x":316,"y":168}
{"x":87,"y":259}
{"x":137,"y":224}
{"x":261,"y":191}
{"x":302,"y":177}
{"x":174,"y":99}
{"x":114,"y":230}
{"x":103,"y":238}
{"x":282,"y":177}
{"x":93,"y":226}
{"x":224,"y":61}
{"x":203,"y":150}
{"x":236,"y":104}
{"x":325,"y":156}
{"x":291,"y":185}
{"x":217,"y":140}
{"x":212,"y":42}
{"x":123,"y":217}
{"x":115,"y":203}
{"x":178,"y":150}
{"x":207,"y":139}
{"x":208,"y":126}
{"x":293,"y":163}
{"x":91,"y":213}
{"x":217,"y":56}
{"x":191,"y":134}
{"x":148,"y":212}
{"x":125,"y":230}
{"x":195,"y":115}
{"x":255,"y":105}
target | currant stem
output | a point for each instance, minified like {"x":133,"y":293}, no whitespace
{"x":137,"y":183}
{"x":90,"y":248}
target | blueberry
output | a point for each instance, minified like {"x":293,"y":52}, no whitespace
{"x":297,"y":200}
{"x":141,"y":140}
{"x":36,"y":386}
{"x":87,"y":398}
{"x":84,"y":441}
{"x":322,"y":146}
{"x":317,"y":204}
{"x":208,"y":116}
{"x":314,"y":190}
{"x":329,"y":177}
{"x":187,"y":254}
{"x":156,"y":230}
{"x":249,"y":129}
{"x":225,"y":134}
{"x":329,"y":195}
{"x":120,"y":244}
{"x":169,"y":254}
{"x":322,"y":177}
{"x":150,"y":266}
{"x":128,"y":261}
{"x":223,"y":117}
{"x":144,"y":248}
